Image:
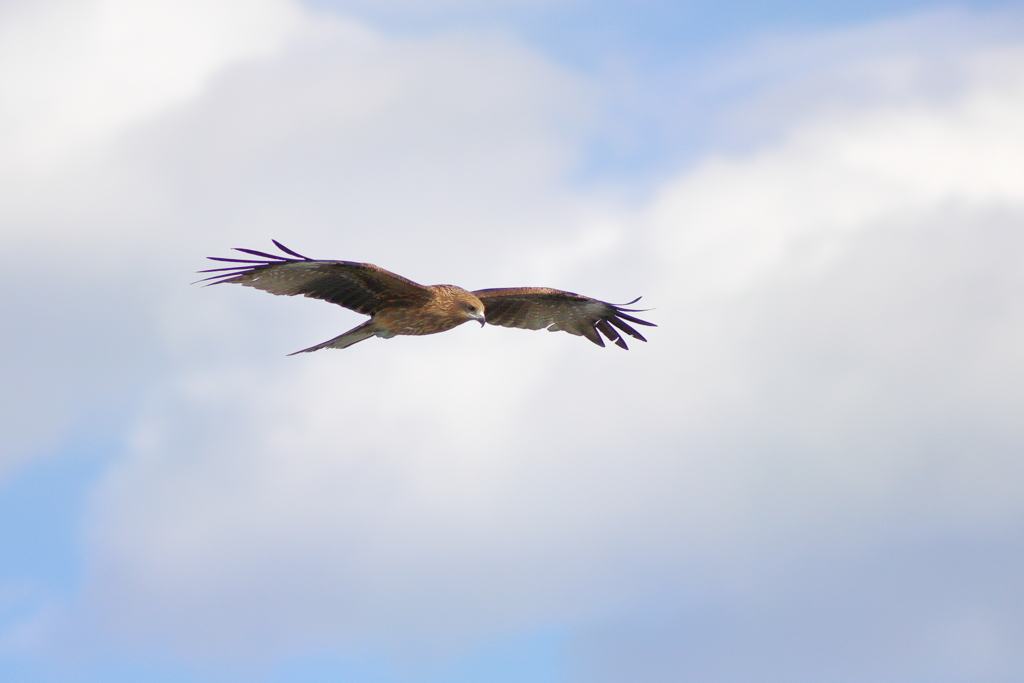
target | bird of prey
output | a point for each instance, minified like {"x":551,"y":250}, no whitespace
{"x":398,"y":306}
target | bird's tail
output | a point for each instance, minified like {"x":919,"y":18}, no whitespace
{"x":342,"y":341}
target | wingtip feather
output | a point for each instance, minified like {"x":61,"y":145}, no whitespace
{"x":261,"y":254}
{"x":289,"y":251}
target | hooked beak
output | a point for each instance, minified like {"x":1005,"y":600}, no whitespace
{"x":481,"y":318}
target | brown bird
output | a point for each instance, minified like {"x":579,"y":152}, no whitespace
{"x":398,"y":306}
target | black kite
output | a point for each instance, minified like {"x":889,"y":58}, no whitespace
{"x":399,"y":306}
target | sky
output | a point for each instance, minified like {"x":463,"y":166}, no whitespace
{"x":812,"y":472}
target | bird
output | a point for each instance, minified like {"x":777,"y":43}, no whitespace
{"x":399,"y":306}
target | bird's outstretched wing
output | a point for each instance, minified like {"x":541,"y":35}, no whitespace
{"x":361,"y":287}
{"x":533,"y":308}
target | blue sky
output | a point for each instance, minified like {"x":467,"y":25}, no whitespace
{"x":811,"y":472}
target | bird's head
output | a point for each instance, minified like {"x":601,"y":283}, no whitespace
{"x":465,"y":305}
{"x":473,"y":308}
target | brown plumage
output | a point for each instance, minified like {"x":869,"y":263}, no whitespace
{"x":398,"y":306}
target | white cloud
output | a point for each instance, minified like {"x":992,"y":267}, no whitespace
{"x":74,"y":76}
{"x":342,"y":137}
{"x":837,"y":357}
{"x":837,"y":354}
{"x":75,"y":72}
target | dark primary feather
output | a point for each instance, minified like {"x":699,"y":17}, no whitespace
{"x":533,"y":308}
{"x":361,"y":287}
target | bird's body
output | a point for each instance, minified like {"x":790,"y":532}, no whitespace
{"x":448,"y":307}
{"x":399,"y":306}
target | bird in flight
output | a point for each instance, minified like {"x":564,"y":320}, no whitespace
{"x":398,"y":306}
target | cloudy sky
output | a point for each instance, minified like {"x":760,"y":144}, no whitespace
{"x":813,"y":472}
